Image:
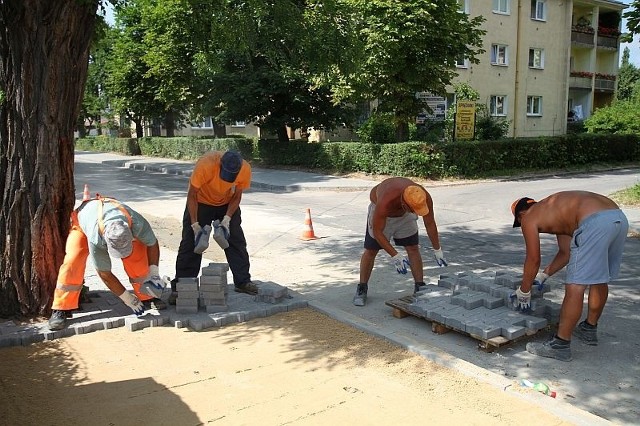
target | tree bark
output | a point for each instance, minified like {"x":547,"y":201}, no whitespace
{"x":44,"y":48}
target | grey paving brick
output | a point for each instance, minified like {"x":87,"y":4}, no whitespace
{"x":296,"y":304}
{"x":211,"y":291}
{"x":213,"y":279}
{"x":490,"y":302}
{"x":510,"y":331}
{"x":186,"y":286}
{"x":187,"y":303}
{"x":184,"y":295}
{"x":216,"y":308}
{"x":187,"y":309}
{"x":446,"y":283}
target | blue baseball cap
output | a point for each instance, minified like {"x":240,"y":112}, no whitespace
{"x":230,"y":166}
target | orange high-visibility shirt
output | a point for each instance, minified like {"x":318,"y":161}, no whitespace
{"x":212,"y":189}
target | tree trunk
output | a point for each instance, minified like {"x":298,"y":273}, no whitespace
{"x":283,"y":134}
{"x":170,"y":124}
{"x":44,"y":48}
{"x":219,"y":130}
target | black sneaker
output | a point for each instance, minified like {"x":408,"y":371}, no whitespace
{"x":554,"y":348}
{"x":58,"y":320}
{"x":361,"y":295}
{"x":248,"y":288}
{"x":155,"y":303}
{"x":587,"y":333}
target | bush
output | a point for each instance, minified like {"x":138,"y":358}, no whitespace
{"x":378,"y":128}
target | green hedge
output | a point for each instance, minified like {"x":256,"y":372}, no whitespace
{"x":412,"y":159}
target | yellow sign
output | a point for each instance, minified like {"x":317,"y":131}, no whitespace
{"x":465,"y":120}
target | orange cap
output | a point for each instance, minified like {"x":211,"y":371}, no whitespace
{"x":416,"y":198}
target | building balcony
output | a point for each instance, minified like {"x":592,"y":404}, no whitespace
{"x":608,"y":42}
{"x":580,"y":37}
{"x":605,"y":85}
{"x":580,"y":82}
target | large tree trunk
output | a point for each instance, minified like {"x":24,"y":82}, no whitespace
{"x":44,"y":47}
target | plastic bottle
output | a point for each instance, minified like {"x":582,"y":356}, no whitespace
{"x":539,"y":386}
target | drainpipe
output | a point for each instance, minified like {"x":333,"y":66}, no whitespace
{"x":517,"y":82}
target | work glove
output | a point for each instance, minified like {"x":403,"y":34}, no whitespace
{"x":225,"y":226}
{"x":153,"y":285}
{"x":401,"y":263}
{"x":440,"y":257}
{"x":201,"y":237}
{"x":539,"y":280}
{"x":521,"y":300}
{"x":132,"y":301}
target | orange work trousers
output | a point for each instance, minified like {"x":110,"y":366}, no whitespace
{"x":71,"y":273}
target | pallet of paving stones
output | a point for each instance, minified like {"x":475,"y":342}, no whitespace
{"x":479,"y":305}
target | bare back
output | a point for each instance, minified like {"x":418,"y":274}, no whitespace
{"x":387,"y":196}
{"x":562,"y":212}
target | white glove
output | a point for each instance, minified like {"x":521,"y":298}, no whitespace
{"x":196,"y":228}
{"x":153,"y":285}
{"x":440,"y":257}
{"x":539,"y":280}
{"x":225,"y":226}
{"x":521,"y":300}
{"x":401,"y":263}
{"x":132,"y":301}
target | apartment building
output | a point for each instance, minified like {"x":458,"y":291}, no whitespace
{"x":546,"y":61}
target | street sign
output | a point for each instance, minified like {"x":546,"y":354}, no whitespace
{"x":465,"y":120}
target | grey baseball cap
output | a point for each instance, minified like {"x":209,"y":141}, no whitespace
{"x":119,"y":238}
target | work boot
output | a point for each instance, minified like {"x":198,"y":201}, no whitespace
{"x":154,"y":303}
{"x":361,"y":295}
{"x":555,"y":348}
{"x":419,"y":287}
{"x":58,"y":320}
{"x":248,"y":288}
{"x":587,"y":333}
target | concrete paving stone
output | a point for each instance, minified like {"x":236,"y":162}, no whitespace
{"x":510,"y":331}
{"x":184,"y":295}
{"x":211,"y":309}
{"x":491,"y":302}
{"x":186,"y":286}
{"x":212,"y":290}
{"x":484,"y":330}
{"x":274,"y":309}
{"x":269,"y":299}
{"x":446,"y":283}
{"x":214,"y":279}
{"x":187,"y":302}
{"x":296,"y":304}
{"x":215,"y":269}
{"x":179,"y":324}
{"x":186,"y":309}
{"x":535,"y":323}
{"x":10,"y":340}
{"x":213,"y":301}
{"x":135,"y":324}
{"x":268,"y":288}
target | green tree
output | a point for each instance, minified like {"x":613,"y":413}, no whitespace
{"x":44,"y":49}
{"x":628,"y":77}
{"x":621,"y":117}
{"x":409,"y":47}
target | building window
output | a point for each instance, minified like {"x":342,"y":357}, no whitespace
{"x":498,"y":105}
{"x":534,"y":105}
{"x":501,"y":6}
{"x":499,"y":54}
{"x":462,"y":62}
{"x":539,"y":10}
{"x":463,"y":6}
{"x":536,"y":58}
{"x":239,"y":124}
{"x":207,"y":123}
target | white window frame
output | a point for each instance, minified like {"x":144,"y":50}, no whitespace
{"x":462,"y":62}
{"x":499,"y":54}
{"x":463,"y":6}
{"x":502,"y":6}
{"x":534,"y":106}
{"x":239,"y":124}
{"x":532,"y":56}
{"x":498,"y":105}
{"x":206,"y":123}
{"x":539,"y":10}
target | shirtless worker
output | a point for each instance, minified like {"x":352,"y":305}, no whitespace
{"x":591,"y":231}
{"x":395,"y":206}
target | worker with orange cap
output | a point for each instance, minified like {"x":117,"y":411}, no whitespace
{"x":396,"y":204}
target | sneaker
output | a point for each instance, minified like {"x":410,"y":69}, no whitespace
{"x":419,"y":287}
{"x":155,"y":303}
{"x":587,"y":333}
{"x":172,"y":298}
{"x":554,"y":348}
{"x":361,"y":295}
{"x":248,"y":288}
{"x":58,"y":320}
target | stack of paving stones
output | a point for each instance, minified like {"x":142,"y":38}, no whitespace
{"x":214,"y":288}
{"x":188,"y":296}
{"x":480,"y":304}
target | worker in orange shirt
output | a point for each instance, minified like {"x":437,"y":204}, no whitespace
{"x":102,"y":228}
{"x":214,"y":195}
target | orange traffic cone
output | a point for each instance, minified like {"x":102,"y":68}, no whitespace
{"x":85,"y":194}
{"x":307,"y":232}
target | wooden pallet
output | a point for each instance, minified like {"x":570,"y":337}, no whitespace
{"x":402,"y":308}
